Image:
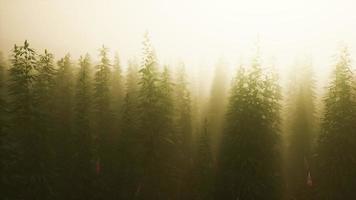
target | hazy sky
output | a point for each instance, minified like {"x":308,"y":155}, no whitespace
{"x":195,"y":31}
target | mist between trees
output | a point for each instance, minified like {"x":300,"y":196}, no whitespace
{"x":79,"y":129}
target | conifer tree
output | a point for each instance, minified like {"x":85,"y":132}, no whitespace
{"x":43,"y":121}
{"x":153,"y":134}
{"x":169,"y":146}
{"x":149,"y":124}
{"x":32,"y":181}
{"x":83,"y":165}
{"x":166,"y":101}
{"x":105,"y":139}
{"x":183,"y":110}
{"x":183,"y":121}
{"x":203,"y":172}
{"x":5,"y":151}
{"x":129,"y":140}
{"x":63,"y":125}
{"x":43,"y":92}
{"x":250,"y":156}
{"x":336,"y":153}
{"x":117,"y":89}
{"x":130,"y":104}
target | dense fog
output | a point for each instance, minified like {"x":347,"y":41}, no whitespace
{"x":186,"y":100}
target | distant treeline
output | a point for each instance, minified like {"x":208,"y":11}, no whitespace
{"x":72,"y":129}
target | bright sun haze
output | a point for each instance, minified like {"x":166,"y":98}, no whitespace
{"x":194,"y":31}
{"x":178,"y":99}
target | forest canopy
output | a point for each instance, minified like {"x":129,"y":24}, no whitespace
{"x":94,"y":127}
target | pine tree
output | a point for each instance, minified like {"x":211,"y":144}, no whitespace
{"x":130,"y":105}
{"x":153,"y":134}
{"x":169,"y":146}
{"x":203,"y":167}
{"x":183,"y":110}
{"x":183,"y":121}
{"x":43,"y":122}
{"x":250,"y":156}
{"x":62,"y":114}
{"x":83,"y":166}
{"x":337,"y":141}
{"x":117,"y":89}
{"x":149,"y":124}
{"x":32,"y":181}
{"x":166,"y":101}
{"x":5,"y":150}
{"x":129,"y":141}
{"x":43,"y":92}
{"x":105,"y":139}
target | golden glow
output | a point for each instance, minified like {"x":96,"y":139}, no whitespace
{"x":195,"y":31}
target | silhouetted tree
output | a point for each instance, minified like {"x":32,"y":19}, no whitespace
{"x":336,"y":145}
{"x":183,"y":121}
{"x":104,"y":136}
{"x":83,"y":164}
{"x":250,"y":154}
{"x":6,"y":153}
{"x":154,"y":116}
{"x":129,"y":154}
{"x":32,"y":175}
{"x":62,"y":112}
{"x":117,"y":90}
{"x":203,"y":171}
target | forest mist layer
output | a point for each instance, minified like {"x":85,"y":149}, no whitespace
{"x":101,"y":129}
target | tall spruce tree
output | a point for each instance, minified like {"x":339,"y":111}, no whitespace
{"x":83,"y":166}
{"x":104,"y":137}
{"x":250,"y":154}
{"x":183,"y":121}
{"x":203,"y":171}
{"x":43,"y":92}
{"x":169,"y":146}
{"x":63,"y":125}
{"x":130,"y":104}
{"x":43,"y":120}
{"x":336,"y":146}
{"x":153,"y":134}
{"x":31,"y":181}
{"x":129,"y":140}
{"x":117,"y":90}
{"x":6,"y":155}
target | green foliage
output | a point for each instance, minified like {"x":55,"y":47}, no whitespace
{"x":6,"y":154}
{"x":129,"y":154}
{"x":203,"y":169}
{"x":250,"y":145}
{"x":117,"y":88}
{"x":69,"y":132}
{"x":83,"y":164}
{"x":105,"y":138}
{"x":154,"y":112}
{"x":336,"y":155}
{"x":183,"y":123}
{"x":43,"y":91}
{"x":63,"y":115}
{"x":32,"y":158}
{"x":183,"y":110}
